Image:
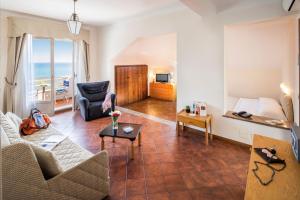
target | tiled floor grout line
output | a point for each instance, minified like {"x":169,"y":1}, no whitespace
{"x":156,"y":119}
{"x":161,"y":183}
{"x":126,"y":174}
{"x":160,"y":172}
{"x":143,"y":163}
{"x":147,"y":116}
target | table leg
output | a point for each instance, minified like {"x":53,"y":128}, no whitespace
{"x":206,"y":133}
{"x":113,"y":140}
{"x":102,"y":143}
{"x":44,"y":93}
{"x":210,"y":129}
{"x":132,"y":150}
{"x":140,"y":139}
{"x":182,"y":126}
{"x":177,"y":128}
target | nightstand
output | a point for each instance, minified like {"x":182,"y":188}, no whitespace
{"x":197,"y":120}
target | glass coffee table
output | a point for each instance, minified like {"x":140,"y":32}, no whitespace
{"x":119,"y":133}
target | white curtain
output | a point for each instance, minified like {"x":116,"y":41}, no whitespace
{"x":24,"y":92}
{"x":15,"y":51}
{"x":81,"y":66}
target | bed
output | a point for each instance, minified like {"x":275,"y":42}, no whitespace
{"x":267,"y":107}
{"x":271,"y":118}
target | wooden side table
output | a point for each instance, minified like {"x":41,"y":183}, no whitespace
{"x":201,"y":122}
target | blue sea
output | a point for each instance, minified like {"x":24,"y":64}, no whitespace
{"x":43,"y":70}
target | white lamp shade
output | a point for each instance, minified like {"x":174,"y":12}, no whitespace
{"x":74,"y":26}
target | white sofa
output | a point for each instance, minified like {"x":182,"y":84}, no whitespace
{"x":66,"y":171}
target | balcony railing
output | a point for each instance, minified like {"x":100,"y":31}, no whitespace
{"x":63,"y":93}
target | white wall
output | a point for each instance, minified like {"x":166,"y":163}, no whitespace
{"x":259,"y":57}
{"x":4,"y":42}
{"x":159,"y":53}
{"x":200,"y":57}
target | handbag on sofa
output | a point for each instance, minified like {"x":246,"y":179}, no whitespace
{"x":34,"y":122}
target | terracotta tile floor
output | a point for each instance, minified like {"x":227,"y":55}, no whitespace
{"x":155,"y":107}
{"x":63,"y":103}
{"x":166,"y":166}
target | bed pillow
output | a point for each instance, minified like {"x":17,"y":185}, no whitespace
{"x":4,"y":139}
{"x":248,"y":105}
{"x":287,"y":106}
{"x":10,"y":129}
{"x":14,"y":119}
{"x":268,"y":107}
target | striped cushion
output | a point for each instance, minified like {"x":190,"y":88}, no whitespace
{"x":10,"y":129}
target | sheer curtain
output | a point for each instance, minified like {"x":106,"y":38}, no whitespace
{"x":24,"y":92}
{"x":81,"y":66}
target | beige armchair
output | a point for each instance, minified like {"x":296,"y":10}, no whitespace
{"x":23,"y":178}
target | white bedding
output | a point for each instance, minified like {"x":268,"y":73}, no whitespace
{"x":248,"y":105}
{"x":265,"y":107}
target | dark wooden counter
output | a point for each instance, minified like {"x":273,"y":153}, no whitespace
{"x":258,"y":120}
{"x":286,"y":183}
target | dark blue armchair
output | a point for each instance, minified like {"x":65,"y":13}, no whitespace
{"x":91,"y":99}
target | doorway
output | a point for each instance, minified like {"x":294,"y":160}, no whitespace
{"x":159,"y":54}
{"x":53,"y":74}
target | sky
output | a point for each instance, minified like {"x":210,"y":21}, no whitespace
{"x":42,"y":50}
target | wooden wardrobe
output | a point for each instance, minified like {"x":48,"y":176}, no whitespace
{"x":131,"y":83}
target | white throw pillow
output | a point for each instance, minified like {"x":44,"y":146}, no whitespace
{"x":270,"y":108}
{"x":15,"y":119}
{"x":47,"y":161}
{"x":4,"y":139}
{"x":10,"y":129}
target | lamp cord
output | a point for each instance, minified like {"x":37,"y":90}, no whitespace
{"x":269,"y":166}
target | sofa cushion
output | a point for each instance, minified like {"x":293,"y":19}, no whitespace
{"x":96,"y":105}
{"x":62,"y":157}
{"x":47,"y":161}
{"x":70,"y":154}
{"x":15,"y":119}
{"x":94,"y":91}
{"x":10,"y":129}
{"x":67,"y":153}
{"x":91,"y":89}
{"x":95,"y":110}
{"x":42,"y":135}
{"x":4,"y":139}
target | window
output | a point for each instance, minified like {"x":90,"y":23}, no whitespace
{"x":41,"y":60}
{"x":63,"y":73}
{"x":52,"y":62}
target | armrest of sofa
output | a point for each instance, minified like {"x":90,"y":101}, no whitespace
{"x":83,"y":102}
{"x":20,"y":167}
{"x":88,"y":179}
{"x":113,"y":102}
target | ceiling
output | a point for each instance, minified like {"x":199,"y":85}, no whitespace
{"x":205,"y":7}
{"x":95,"y":12}
{"x":99,"y":12}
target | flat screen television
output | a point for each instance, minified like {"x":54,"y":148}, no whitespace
{"x":162,"y":78}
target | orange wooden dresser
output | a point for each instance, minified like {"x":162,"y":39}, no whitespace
{"x":163,"y":91}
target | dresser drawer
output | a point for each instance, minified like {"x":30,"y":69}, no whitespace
{"x":163,"y":91}
{"x":190,"y":121}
